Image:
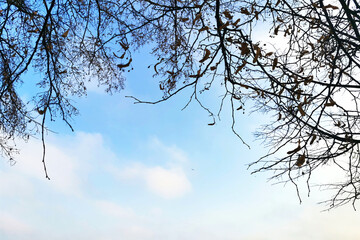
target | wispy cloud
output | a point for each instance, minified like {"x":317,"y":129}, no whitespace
{"x":113,"y":209}
{"x":83,"y":199}
{"x":165,"y":182}
{"x":164,"y":173}
{"x":10,"y":225}
{"x":172,"y":153}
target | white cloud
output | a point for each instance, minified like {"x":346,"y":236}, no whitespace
{"x":168,"y":183}
{"x":165,"y":177}
{"x":310,"y":223}
{"x":113,"y":209}
{"x":172,"y":153}
{"x":124,"y":231}
{"x":62,"y":166}
{"x":121,"y":222}
{"x":14,"y":186}
{"x":165,"y":182}
{"x":35,"y":216}
{"x":10,"y":225}
{"x":69,"y":159}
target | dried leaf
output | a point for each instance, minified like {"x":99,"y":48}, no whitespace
{"x":275,"y":62}
{"x":33,"y":31}
{"x":331,"y":6}
{"x":244,"y":86}
{"x":229,"y":39}
{"x":156,"y":66}
{"x":257,"y":55}
{"x":276,"y":30}
{"x":224,"y":25}
{"x":204,"y":29}
{"x":301,"y":110}
{"x":206,"y":56}
{"x":124,"y":46}
{"x":312,"y":139}
{"x":65,"y":33}
{"x":41,"y":112}
{"x":121,"y":57}
{"x":239,"y":68}
{"x":197,"y":17}
{"x":236,"y":22}
{"x":281,"y":91}
{"x":308,"y":80}
{"x":244,"y":49}
{"x":330,"y":103}
{"x":294,"y":150}
{"x":302,"y":53}
{"x":245,"y":11}
{"x":197,"y":75}
{"x":227,"y":14}
{"x":125,"y":65}
{"x":301,"y":160}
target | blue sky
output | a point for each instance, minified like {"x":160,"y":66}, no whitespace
{"x":142,"y":172}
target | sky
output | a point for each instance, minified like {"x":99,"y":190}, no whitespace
{"x":146,"y":172}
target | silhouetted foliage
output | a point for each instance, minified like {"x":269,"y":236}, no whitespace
{"x":303,"y":71}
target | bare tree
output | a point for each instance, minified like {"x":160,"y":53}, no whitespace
{"x":308,"y":82}
{"x":69,"y":42}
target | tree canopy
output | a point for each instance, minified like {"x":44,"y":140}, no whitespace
{"x":303,"y":71}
